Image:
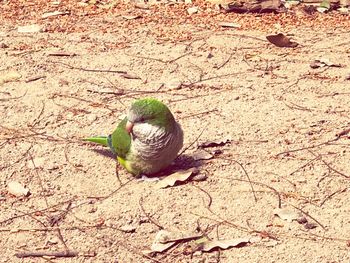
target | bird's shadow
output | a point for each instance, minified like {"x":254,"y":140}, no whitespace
{"x":105,"y":152}
{"x":183,"y":162}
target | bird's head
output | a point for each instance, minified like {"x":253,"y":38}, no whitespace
{"x":149,"y":111}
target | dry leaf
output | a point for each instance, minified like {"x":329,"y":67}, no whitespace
{"x":30,"y":29}
{"x":9,"y":76}
{"x":15,"y":188}
{"x":281,"y":40}
{"x":179,"y":176}
{"x":201,"y":155}
{"x":223,"y":244}
{"x":323,"y":62}
{"x":286,"y":214}
{"x":158,"y":244}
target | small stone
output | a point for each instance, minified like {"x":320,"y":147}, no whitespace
{"x":16,"y":189}
{"x":128,"y":228}
{"x":3,"y":45}
{"x":92,"y":117}
{"x":199,"y":177}
{"x":310,"y":225}
{"x":192,"y":10}
{"x":302,"y":220}
{"x":173,"y":84}
{"x":35,"y":28}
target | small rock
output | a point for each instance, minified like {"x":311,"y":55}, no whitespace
{"x":310,"y":225}
{"x":92,"y":210}
{"x":199,"y":177}
{"x":35,"y":28}
{"x":16,"y":189}
{"x":3,"y":45}
{"x":192,"y":10}
{"x":128,"y":228}
{"x":302,"y":220}
{"x":173,"y":84}
{"x":92,"y":117}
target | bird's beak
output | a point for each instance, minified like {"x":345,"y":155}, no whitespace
{"x":128,"y":126}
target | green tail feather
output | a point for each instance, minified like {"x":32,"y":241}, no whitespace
{"x":103,"y":140}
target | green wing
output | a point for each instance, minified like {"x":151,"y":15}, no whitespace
{"x":121,"y":140}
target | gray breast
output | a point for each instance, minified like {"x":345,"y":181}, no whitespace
{"x":152,"y":143}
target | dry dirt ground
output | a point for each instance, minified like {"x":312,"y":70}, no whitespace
{"x":280,"y":122}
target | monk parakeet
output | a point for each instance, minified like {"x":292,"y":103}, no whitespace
{"x":147,"y":140}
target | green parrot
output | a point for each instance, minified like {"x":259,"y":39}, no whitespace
{"x":147,"y":140}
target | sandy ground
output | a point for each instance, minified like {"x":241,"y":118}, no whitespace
{"x":280,"y":116}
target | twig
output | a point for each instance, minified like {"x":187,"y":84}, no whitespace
{"x":331,"y":195}
{"x":307,"y":147}
{"x":58,"y":254}
{"x":68,"y":161}
{"x":14,"y":98}
{"x":184,"y":150}
{"x":307,"y":214}
{"x":305,"y":165}
{"x":39,"y":178}
{"x":259,"y":183}
{"x":89,"y":70}
{"x":209,"y":196}
{"x":225,"y":62}
{"x":329,"y":166}
{"x":102,"y":198}
{"x":245,"y":172}
{"x":148,"y":216}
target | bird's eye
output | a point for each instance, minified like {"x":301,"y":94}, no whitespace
{"x":142,"y":119}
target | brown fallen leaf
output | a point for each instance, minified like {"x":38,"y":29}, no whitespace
{"x":223,"y":244}
{"x":158,"y":244}
{"x":179,"y":176}
{"x":201,"y":155}
{"x":281,"y":40}
{"x":323,"y":62}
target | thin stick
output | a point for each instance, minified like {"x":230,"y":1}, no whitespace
{"x":308,"y":147}
{"x":90,"y":70}
{"x":57,"y":254}
{"x":148,"y":216}
{"x":307,"y":214}
{"x":333,"y":194}
{"x":247,"y":175}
